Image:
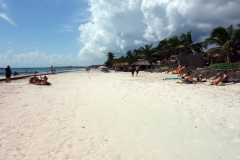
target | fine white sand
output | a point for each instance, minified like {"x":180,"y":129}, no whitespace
{"x":114,"y":116}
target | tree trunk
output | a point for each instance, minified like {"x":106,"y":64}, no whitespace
{"x":211,"y":58}
{"x":228,"y":58}
{"x":151,"y":67}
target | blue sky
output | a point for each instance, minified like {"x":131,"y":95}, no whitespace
{"x":44,"y":25}
{"x":40,"y":33}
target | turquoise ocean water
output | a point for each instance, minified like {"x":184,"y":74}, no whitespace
{"x":23,"y":71}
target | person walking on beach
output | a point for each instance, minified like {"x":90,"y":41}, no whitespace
{"x":52,"y":69}
{"x":87,"y":69}
{"x":133,"y":71}
{"x":8,"y":73}
{"x":137,"y":70}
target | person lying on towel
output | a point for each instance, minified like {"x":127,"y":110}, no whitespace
{"x":34,"y":79}
{"x":43,"y":82}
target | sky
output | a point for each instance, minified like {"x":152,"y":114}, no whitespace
{"x":41,"y":33}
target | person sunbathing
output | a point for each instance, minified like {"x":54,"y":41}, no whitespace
{"x":43,"y":82}
{"x":199,"y":79}
{"x":34,"y":79}
{"x":220,"y":79}
{"x":188,"y":79}
{"x":225,"y":77}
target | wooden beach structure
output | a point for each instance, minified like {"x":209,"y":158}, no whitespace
{"x":122,"y":66}
{"x":143,"y":63}
{"x":190,"y":61}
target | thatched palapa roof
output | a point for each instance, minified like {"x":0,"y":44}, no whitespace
{"x":124,"y":64}
{"x":141,"y":62}
{"x":101,"y":67}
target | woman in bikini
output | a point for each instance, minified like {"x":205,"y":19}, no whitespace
{"x":179,"y":69}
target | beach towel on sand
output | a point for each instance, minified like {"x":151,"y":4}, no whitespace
{"x":171,"y":79}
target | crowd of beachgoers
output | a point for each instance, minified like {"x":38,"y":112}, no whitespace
{"x":221,"y":78}
{"x":185,"y":77}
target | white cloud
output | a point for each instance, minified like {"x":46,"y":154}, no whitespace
{"x":114,"y":25}
{"x":66,"y":28}
{"x":129,"y":24}
{"x":3,"y":5}
{"x":37,"y":58}
{"x":4,"y":16}
{"x":136,"y":42}
{"x":9,"y":42}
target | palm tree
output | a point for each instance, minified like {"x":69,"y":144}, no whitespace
{"x":226,"y":38}
{"x":110,"y":59}
{"x":147,"y":53}
{"x":187,"y":44}
{"x":110,"y":56}
{"x":167,"y":47}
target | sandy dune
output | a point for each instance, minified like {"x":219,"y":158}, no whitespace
{"x":114,"y":116}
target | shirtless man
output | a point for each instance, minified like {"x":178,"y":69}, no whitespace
{"x":188,"y":79}
{"x":137,"y":70}
{"x":52,"y":69}
{"x":220,"y":79}
{"x":225,"y":77}
{"x":87,"y":69}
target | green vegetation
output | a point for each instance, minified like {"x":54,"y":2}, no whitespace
{"x":161,"y":66}
{"x":226,"y":41}
{"x":147,"y":53}
{"x":226,"y":66}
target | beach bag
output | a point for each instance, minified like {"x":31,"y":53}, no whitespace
{"x":47,"y":83}
{"x":221,"y":84}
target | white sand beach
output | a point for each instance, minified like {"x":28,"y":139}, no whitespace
{"x":113,"y":116}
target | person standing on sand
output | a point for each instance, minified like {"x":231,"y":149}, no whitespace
{"x":52,"y":69}
{"x":8,"y":73}
{"x":137,"y":70}
{"x":179,"y":69}
{"x":87,"y":69}
{"x":132,"y":71}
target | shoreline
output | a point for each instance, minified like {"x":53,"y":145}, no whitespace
{"x":3,"y":78}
